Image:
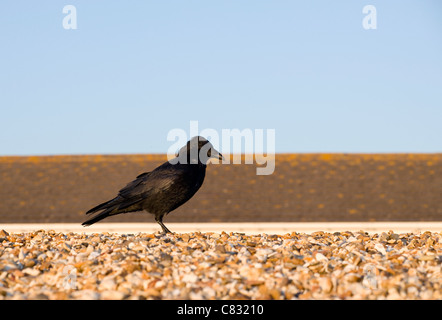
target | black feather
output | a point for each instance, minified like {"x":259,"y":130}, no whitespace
{"x":161,"y":190}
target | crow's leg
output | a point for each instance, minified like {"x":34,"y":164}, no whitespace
{"x":159,"y":219}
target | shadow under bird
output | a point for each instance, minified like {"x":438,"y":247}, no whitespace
{"x":165,"y":188}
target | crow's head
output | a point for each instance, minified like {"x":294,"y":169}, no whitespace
{"x":198,"y":150}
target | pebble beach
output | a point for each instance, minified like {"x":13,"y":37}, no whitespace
{"x":45,"y":264}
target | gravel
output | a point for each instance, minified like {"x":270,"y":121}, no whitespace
{"x":45,"y":264}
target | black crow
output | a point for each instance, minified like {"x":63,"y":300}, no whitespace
{"x":164,"y":189}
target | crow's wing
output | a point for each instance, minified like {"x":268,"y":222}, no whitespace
{"x":125,"y":192}
{"x":149,"y":183}
{"x":131,"y":196}
{"x":121,"y":202}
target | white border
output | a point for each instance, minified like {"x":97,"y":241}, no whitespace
{"x":247,"y":227}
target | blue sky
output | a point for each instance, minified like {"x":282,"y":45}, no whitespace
{"x":134,"y":70}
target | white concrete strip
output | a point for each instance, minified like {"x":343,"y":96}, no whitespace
{"x":248,"y":228}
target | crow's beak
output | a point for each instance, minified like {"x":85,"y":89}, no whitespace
{"x":216,"y":154}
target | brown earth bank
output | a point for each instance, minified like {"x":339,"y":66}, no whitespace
{"x":303,"y":187}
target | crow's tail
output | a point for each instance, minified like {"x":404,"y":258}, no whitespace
{"x":104,"y":205}
{"x":112,"y":207}
{"x":108,"y":207}
{"x":97,"y":218}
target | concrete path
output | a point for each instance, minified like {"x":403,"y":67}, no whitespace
{"x":248,"y":228}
